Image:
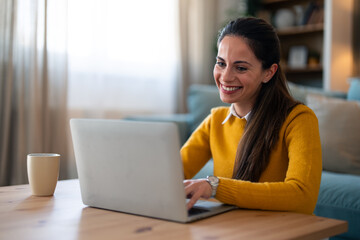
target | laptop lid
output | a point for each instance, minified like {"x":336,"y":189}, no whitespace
{"x":133,"y":167}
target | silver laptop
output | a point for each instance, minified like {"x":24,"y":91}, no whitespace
{"x":134,"y":167}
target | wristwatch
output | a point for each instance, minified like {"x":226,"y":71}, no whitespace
{"x":214,"y":183}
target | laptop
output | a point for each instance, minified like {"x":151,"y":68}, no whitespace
{"x":134,"y":167}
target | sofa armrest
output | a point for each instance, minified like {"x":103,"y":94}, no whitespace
{"x":339,"y":198}
{"x":183,"y":122}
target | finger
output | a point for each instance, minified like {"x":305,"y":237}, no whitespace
{"x":189,"y":190}
{"x":190,"y":203}
{"x":195,"y":197}
{"x":188,"y":193}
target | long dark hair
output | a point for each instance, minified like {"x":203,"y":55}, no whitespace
{"x":273,"y":102}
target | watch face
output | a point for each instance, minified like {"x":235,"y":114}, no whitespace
{"x":213,"y":179}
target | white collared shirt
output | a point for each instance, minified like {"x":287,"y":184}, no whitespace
{"x":233,"y":113}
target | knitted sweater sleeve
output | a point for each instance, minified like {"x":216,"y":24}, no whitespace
{"x":299,"y":191}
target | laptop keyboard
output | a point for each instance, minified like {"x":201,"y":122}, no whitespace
{"x":195,"y":211}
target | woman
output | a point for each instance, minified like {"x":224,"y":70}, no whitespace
{"x":265,"y":146}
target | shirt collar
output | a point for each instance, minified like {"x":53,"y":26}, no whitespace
{"x":233,"y":113}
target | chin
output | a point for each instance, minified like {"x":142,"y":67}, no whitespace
{"x":225,"y":100}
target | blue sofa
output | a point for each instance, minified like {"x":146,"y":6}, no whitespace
{"x":339,"y":195}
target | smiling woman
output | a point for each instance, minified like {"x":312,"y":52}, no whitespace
{"x":267,"y":151}
{"x":122,"y":56}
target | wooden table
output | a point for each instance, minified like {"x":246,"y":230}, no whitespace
{"x":63,"y":216}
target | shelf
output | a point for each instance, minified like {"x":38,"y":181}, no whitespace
{"x":310,"y":35}
{"x":276,"y":2}
{"x":317,"y":69}
{"x":273,"y":1}
{"x":310,"y":28}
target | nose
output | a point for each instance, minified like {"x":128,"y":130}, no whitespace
{"x":227,"y":75}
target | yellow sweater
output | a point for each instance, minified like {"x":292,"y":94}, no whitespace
{"x":291,"y":180}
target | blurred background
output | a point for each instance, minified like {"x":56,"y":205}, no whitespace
{"x":115,"y":58}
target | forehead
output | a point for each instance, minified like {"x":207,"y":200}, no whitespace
{"x":234,"y":48}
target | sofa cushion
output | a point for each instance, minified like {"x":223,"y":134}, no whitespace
{"x":300,"y":92}
{"x":201,"y":99}
{"x":339,"y":125}
{"x":354,"y":90}
{"x":207,"y":170}
{"x":339,"y":198}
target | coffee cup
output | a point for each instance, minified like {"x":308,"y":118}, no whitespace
{"x":43,"y":173}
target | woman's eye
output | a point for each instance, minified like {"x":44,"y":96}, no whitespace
{"x":221,"y":64}
{"x":241,"y":69}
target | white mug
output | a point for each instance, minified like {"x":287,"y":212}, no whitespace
{"x":43,"y":173}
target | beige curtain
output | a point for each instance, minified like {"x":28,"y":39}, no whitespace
{"x":33,"y":87}
{"x":198,"y":26}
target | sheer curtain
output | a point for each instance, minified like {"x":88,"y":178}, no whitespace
{"x":122,"y":57}
{"x":198,"y":27}
{"x":33,"y":86}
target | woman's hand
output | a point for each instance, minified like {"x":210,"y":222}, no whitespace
{"x":196,"y":189}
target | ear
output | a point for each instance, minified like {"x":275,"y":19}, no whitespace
{"x":269,"y":73}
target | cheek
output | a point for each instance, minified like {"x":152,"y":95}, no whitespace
{"x":216,"y":74}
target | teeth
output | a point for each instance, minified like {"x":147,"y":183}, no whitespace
{"x":230,"y":88}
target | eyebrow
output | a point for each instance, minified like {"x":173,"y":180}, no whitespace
{"x":239,"y":61}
